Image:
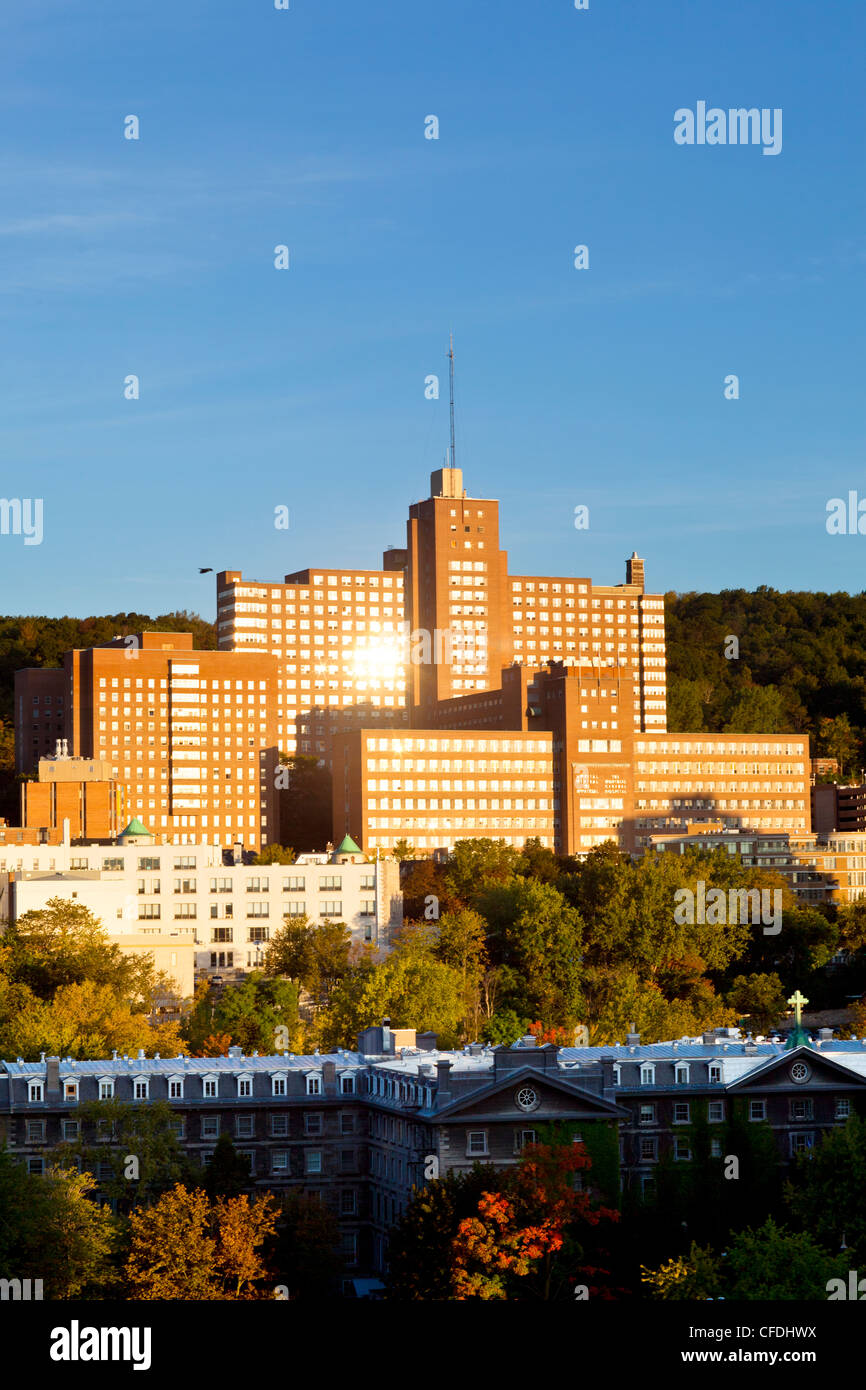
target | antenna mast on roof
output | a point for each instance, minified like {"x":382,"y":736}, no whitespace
{"x":451,"y":381}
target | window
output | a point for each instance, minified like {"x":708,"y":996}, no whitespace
{"x":313,"y":1124}
{"x":347,"y":1160}
{"x":245,"y":1086}
{"x":70,"y":1090}
{"x":801,"y":1143}
{"x":681,"y":1073}
{"x":682,"y":1150}
{"x":35,"y":1131}
{"x":210,"y":1126}
{"x":314,"y":1084}
{"x":278,"y":1085}
{"x":244,"y":1126}
{"x":106,"y":1088}
{"x":348,"y":1203}
{"x":331,"y":907}
{"x":647,"y":1074}
{"x":347,"y":1122}
{"x":681,"y":1112}
{"x":36,"y":1166}
{"x":347,"y":1085}
{"x":177,"y":1125}
{"x":843,"y":1109}
{"x":280,"y":1161}
{"x":175,"y":1088}
{"x":757,"y":1110}
{"x":313,"y":1161}
{"x":476,"y":1141}
{"x":715,"y":1111}
{"x":279,"y":1126}
{"x":209,"y":1087}
{"x":715,"y":1071}
{"x":70,"y":1130}
{"x":523,"y":1137}
{"x":140,"y":1088}
{"x":34,"y":1091}
{"x":802,"y":1109}
{"x":647,"y":1114}
{"x":647,"y":1149}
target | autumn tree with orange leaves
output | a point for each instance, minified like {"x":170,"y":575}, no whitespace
{"x":187,"y":1247}
{"x":528,"y":1239}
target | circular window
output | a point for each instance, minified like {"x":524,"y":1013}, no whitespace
{"x":527,"y":1098}
{"x":799,"y":1072}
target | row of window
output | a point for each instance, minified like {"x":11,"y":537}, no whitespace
{"x":210,"y":1087}
{"x":799,"y":1108}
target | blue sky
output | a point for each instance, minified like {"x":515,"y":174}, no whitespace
{"x":305,"y":387}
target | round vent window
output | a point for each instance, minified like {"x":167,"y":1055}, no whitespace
{"x":527,"y":1099}
{"x":799,"y":1072}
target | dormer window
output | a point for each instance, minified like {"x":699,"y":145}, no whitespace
{"x":681,"y":1073}
{"x":70,"y":1091}
{"x":715,"y":1071}
{"x":245,"y":1086}
{"x":209,"y":1087}
{"x":140,"y":1087}
{"x":617,"y":1073}
{"x":35,"y":1091}
{"x":279,"y":1084}
{"x":314,"y":1084}
{"x":175,"y":1088}
{"x":648,"y":1074}
{"x":106,"y":1087}
{"x":347,"y":1084}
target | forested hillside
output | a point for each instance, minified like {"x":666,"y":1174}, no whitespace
{"x":801,"y":666}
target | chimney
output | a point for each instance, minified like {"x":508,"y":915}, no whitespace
{"x":387,"y":1040}
{"x":52,"y":1077}
{"x":443,"y":1076}
{"x":329,"y":1078}
{"x":632,"y":1038}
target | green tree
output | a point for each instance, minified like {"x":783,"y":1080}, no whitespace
{"x":411,"y":987}
{"x":760,"y":998}
{"x":404,"y":850}
{"x":275,"y":854}
{"x":474,"y":862}
{"x":144,"y":1133}
{"x":254,"y":1010}
{"x":540,"y":936}
{"x":837,"y":739}
{"x":757,"y":710}
{"x":773,"y":1263}
{"x":50,"y":1229}
{"x":462,"y":945}
{"x":827,"y":1189}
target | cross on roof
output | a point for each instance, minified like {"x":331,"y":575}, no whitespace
{"x":797,"y":1001}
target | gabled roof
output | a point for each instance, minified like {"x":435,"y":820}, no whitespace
{"x":507,"y":1080}
{"x":811,"y":1055}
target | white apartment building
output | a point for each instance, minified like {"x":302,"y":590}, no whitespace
{"x":182,"y":893}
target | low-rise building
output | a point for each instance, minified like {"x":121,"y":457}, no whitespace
{"x":228,"y":911}
{"x":361,"y":1129}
